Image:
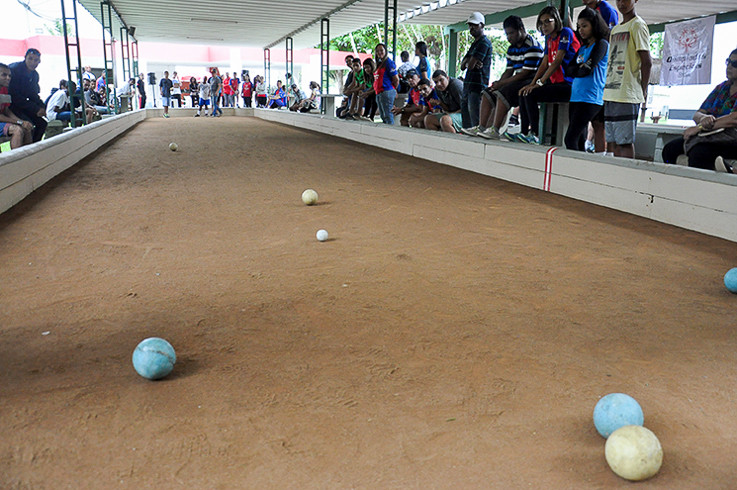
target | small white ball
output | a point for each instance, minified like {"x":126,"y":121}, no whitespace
{"x":309,"y":197}
{"x":173,"y":146}
{"x":322,"y":235}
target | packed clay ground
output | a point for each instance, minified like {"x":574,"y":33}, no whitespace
{"x":455,"y":331}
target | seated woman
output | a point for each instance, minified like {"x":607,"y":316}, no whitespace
{"x":550,"y":83}
{"x":589,"y":77}
{"x":719,"y":111}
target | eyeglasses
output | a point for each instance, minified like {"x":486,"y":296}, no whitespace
{"x":733,"y":63}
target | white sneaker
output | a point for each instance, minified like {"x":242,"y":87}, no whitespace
{"x":490,"y":133}
{"x":722,"y":166}
{"x":474,"y":131}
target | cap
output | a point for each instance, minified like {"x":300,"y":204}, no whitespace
{"x":476,"y":18}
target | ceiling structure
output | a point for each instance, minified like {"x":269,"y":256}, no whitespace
{"x":264,"y":23}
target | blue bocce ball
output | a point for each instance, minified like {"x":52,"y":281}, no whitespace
{"x":616,"y":410}
{"x":154,"y":358}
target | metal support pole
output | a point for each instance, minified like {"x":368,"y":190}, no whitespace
{"x":452,"y":53}
{"x":267,"y":67}
{"x":324,"y":61}
{"x":74,"y":75}
{"x":290,"y":61}
{"x":125,"y":50}
{"x":390,"y":27}
{"x":134,"y":57}
{"x":108,"y":50}
{"x":565,"y":7}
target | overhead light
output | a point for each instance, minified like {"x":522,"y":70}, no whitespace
{"x":219,"y":21}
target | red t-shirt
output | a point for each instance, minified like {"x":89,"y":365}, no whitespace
{"x":247,"y":86}
{"x":227,"y":89}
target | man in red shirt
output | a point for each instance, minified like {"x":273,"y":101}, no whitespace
{"x":227,"y":92}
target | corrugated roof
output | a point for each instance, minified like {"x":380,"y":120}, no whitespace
{"x":264,"y":23}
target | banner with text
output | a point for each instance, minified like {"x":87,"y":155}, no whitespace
{"x":687,"y":52}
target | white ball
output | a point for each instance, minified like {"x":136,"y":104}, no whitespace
{"x":309,"y":197}
{"x":173,"y":146}
{"x":322,"y":235}
{"x":633,"y":452}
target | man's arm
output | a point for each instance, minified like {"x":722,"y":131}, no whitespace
{"x":646,"y":64}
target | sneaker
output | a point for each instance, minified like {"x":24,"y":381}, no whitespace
{"x":349,"y":117}
{"x":166,"y":116}
{"x":513,"y":120}
{"x":511,"y":137}
{"x":722,"y":165}
{"x":490,"y":133}
{"x":474,"y":131}
{"x":531,"y":138}
{"x":364,"y":119}
{"x":198,"y":115}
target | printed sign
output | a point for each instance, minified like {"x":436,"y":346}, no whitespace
{"x":687,"y":52}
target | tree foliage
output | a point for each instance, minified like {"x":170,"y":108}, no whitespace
{"x":56,"y":28}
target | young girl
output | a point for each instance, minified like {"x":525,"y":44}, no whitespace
{"x":550,"y":84}
{"x":176,"y":89}
{"x":423,"y":67}
{"x":368,"y":96}
{"x":246,"y":90}
{"x":313,"y":102}
{"x":386,"y":81}
{"x":204,"y":96}
{"x":260,"y":89}
{"x":194,"y":89}
{"x":589,"y":72}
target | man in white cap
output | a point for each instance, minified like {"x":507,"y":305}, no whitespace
{"x":477,"y":64}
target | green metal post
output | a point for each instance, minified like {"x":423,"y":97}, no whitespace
{"x":390,"y":26}
{"x":74,"y":75}
{"x":452,"y":53}
{"x":324,"y":61}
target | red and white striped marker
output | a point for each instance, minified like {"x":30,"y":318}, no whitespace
{"x":548,"y":167}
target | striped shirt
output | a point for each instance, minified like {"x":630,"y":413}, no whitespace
{"x":525,"y":57}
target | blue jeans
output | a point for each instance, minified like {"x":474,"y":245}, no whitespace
{"x":470,"y":107}
{"x":215,"y":108}
{"x":385,"y":101}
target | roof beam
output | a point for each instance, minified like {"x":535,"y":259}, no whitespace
{"x":722,"y":18}
{"x":313,"y":22}
{"x":498,"y":17}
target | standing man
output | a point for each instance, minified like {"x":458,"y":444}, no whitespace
{"x":24,"y":90}
{"x":165,"y":86}
{"x":610,"y":16}
{"x":523,"y":57}
{"x":141,"y":85}
{"x":477,"y":64}
{"x":216,"y":85}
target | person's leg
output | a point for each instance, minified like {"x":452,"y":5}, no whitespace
{"x":39,"y":123}
{"x":432,"y":122}
{"x":372,"y":107}
{"x":474,"y":104}
{"x":672,"y":150}
{"x":465,"y":112}
{"x":556,"y":92}
{"x":417,"y":121}
{"x":15,"y":132}
{"x":385,"y":100}
{"x":580,"y":113}
{"x":486,"y":111}
{"x":598,"y":126}
{"x":446,"y":124}
{"x":621,"y":124}
{"x":702,"y":155}
{"x":404,"y":119}
{"x":524,"y":125}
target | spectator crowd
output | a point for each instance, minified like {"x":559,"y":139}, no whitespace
{"x":601,"y":70}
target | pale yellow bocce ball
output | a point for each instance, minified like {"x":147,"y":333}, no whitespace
{"x":309,"y":197}
{"x":633,"y":452}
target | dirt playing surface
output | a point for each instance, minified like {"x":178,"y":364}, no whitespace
{"x":456,"y":331}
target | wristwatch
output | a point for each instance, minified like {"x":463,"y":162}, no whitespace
{"x":539,"y":82}
{"x":19,"y":122}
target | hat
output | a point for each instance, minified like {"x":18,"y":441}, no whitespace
{"x":476,"y":18}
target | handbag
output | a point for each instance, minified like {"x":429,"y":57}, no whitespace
{"x":717,"y":136}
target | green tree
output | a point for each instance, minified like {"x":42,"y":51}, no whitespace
{"x":57,"y":28}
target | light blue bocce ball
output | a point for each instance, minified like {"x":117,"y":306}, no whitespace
{"x":616,"y":410}
{"x":154,"y":358}
{"x":730,"y":280}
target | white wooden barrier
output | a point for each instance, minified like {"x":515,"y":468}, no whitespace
{"x":26,"y":169}
{"x":699,"y":200}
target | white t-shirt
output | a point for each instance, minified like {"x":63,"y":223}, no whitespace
{"x":624,"y":75}
{"x":176,"y":86}
{"x":59,"y":99}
